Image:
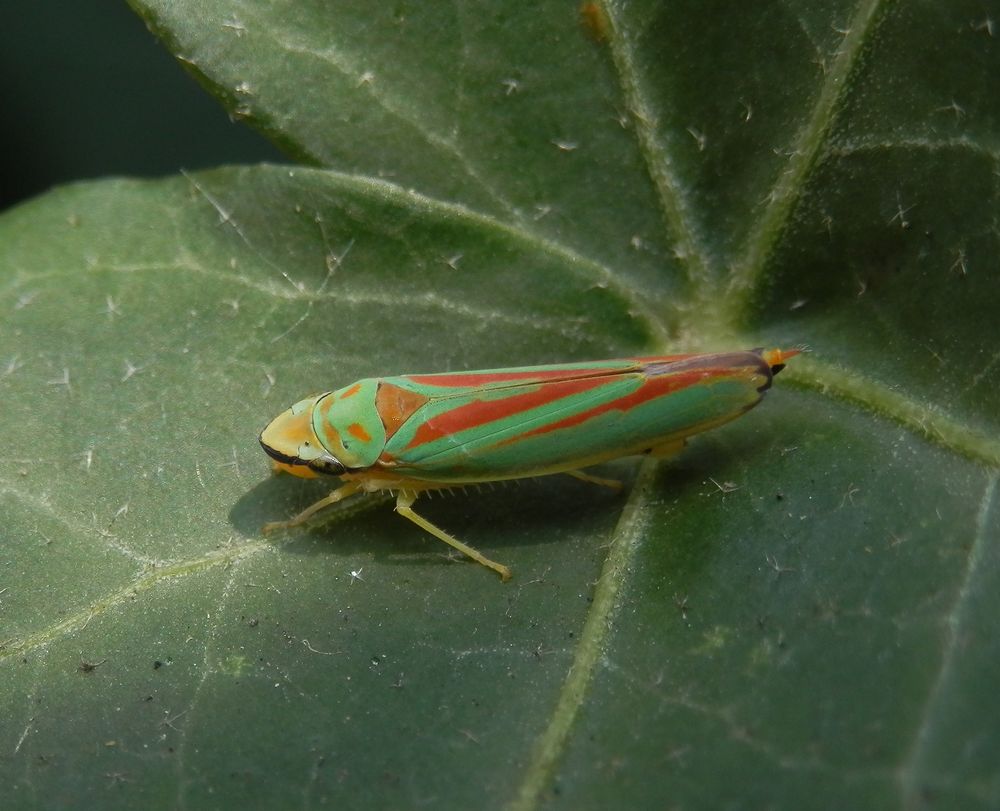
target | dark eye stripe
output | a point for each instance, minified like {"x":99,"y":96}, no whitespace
{"x":278,"y":456}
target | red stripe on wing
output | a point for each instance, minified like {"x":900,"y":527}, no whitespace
{"x":481,"y":412}
{"x":651,"y":388}
{"x":658,"y":384}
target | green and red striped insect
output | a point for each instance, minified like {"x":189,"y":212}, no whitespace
{"x":414,"y":433}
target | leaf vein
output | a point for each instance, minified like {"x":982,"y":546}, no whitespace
{"x":206,"y":671}
{"x":806,"y":150}
{"x":42,"y":505}
{"x":920,"y":417}
{"x":596,"y":273}
{"x":690,"y":247}
{"x":147,"y":579}
{"x":392,"y":106}
{"x":913,"y":769}
{"x":551,"y":746}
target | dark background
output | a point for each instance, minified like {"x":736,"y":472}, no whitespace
{"x":86,"y":91}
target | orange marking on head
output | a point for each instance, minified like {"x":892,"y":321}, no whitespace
{"x":357,"y":430}
{"x":351,"y":391}
{"x":329,"y":432}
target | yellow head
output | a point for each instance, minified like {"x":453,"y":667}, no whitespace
{"x":291,"y":442}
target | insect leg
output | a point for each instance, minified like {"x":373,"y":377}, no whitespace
{"x":614,"y":484}
{"x":667,"y":449}
{"x":404,"y":502}
{"x":339,"y":494}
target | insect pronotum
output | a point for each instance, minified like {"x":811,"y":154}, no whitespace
{"x":414,"y":433}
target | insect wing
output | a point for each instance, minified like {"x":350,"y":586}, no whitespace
{"x":584,"y":414}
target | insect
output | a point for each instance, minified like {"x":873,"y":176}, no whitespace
{"x":414,"y":433}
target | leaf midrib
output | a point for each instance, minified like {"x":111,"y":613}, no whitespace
{"x":624,"y":542}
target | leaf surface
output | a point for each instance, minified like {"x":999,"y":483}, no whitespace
{"x":799,"y":611}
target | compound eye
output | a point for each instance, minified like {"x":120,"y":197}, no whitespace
{"x":327,"y":464}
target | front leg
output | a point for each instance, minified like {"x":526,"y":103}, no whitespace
{"x":339,"y":494}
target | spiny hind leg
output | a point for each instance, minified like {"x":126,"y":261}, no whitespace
{"x":404,"y":503}
{"x":339,"y":494}
{"x":613,"y":484}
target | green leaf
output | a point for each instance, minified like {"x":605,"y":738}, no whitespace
{"x":799,"y":611}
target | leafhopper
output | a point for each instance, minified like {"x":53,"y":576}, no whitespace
{"x":415,"y":433}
